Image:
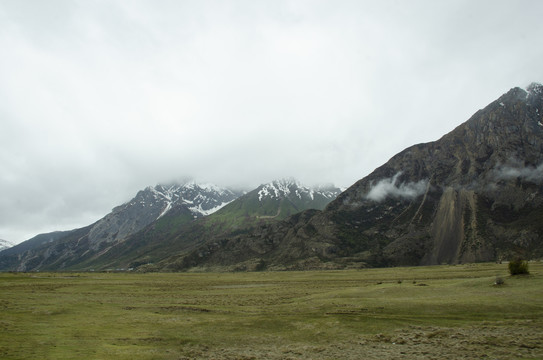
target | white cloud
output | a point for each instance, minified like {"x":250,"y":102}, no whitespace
{"x":515,"y":169}
{"x":389,"y":188}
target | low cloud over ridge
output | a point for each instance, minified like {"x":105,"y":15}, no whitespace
{"x":389,"y":188}
{"x":516,"y":169}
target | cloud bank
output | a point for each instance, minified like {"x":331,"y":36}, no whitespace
{"x":99,"y":99}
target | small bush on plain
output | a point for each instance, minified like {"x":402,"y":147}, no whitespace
{"x":518,"y":267}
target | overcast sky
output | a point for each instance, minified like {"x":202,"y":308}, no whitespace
{"x":99,"y":99}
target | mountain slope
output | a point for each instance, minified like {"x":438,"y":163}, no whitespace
{"x":64,"y":250}
{"x":476,"y":194}
{"x":11,"y":258}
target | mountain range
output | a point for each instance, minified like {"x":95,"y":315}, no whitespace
{"x":162,"y":219}
{"x":476,"y":194}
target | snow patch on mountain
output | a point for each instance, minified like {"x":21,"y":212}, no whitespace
{"x":200,"y":210}
{"x":278,"y":189}
{"x":201,"y":199}
{"x":288,"y":187}
{"x":535,"y":89}
{"x":166,"y":209}
{"x":4,"y":244}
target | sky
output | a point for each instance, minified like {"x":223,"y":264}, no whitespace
{"x":102,"y":98}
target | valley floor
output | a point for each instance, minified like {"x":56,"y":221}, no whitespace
{"x":397,"y":313}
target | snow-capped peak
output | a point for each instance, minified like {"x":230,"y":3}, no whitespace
{"x":201,"y":199}
{"x":4,"y":244}
{"x":535,"y":88}
{"x":277,"y":188}
{"x":288,"y":187}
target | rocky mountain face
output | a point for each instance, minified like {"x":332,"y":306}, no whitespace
{"x":64,"y":249}
{"x":476,"y":194}
{"x":10,"y":258}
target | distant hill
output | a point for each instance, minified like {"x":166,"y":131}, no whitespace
{"x":476,"y":194}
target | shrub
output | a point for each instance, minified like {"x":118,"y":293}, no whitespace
{"x":518,"y":267}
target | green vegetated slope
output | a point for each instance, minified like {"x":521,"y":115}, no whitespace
{"x":258,"y":207}
{"x":247,"y":212}
{"x":422,"y":312}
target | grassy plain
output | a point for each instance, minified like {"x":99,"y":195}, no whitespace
{"x":396,"y":313}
